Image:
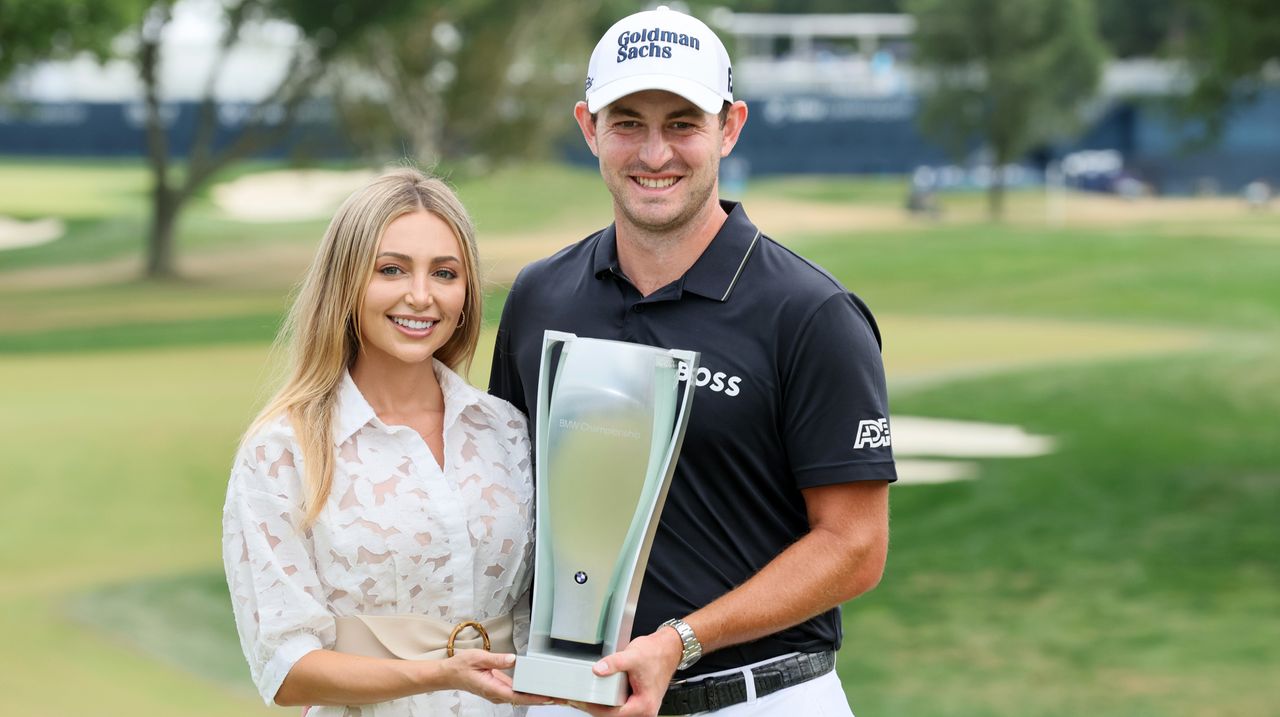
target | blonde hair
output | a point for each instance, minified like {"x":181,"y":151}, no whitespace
{"x":322,"y":331}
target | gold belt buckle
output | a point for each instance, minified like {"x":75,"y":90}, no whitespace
{"x":484,"y":635}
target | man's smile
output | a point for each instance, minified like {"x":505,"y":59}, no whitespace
{"x":655,"y":182}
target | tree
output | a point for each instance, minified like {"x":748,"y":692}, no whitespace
{"x":1231,"y":47}
{"x":485,"y":80}
{"x":1011,"y":75}
{"x":1141,"y":28}
{"x":326,"y":30}
{"x":34,"y":31}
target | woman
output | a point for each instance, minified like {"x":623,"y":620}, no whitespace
{"x":379,"y":503}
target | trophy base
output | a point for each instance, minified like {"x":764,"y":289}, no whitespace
{"x":568,"y":678}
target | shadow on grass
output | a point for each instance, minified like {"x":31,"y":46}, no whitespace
{"x":183,"y":620}
{"x":253,"y":328}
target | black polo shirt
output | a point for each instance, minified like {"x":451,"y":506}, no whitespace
{"x":791,"y":395}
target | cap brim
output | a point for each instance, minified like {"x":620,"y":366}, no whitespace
{"x":706,"y":99}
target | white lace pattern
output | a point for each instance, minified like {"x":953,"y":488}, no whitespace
{"x":397,"y":536}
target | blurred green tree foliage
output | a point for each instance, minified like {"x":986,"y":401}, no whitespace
{"x":1233,"y":46}
{"x":1141,"y":28}
{"x":33,"y":31}
{"x":1008,"y":75}
{"x":471,"y":82}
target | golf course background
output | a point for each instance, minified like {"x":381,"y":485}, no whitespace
{"x":1134,"y":571}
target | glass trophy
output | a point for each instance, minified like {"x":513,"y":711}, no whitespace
{"x":610,"y":421}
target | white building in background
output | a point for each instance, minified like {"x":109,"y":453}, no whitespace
{"x":850,"y":55}
{"x":188,"y":51}
{"x":868,"y":55}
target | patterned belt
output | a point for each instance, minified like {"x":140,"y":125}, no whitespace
{"x":712,"y":693}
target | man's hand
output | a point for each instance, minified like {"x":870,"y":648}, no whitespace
{"x":649,"y":662}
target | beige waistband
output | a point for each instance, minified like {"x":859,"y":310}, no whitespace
{"x":418,"y":637}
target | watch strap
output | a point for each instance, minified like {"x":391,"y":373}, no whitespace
{"x":692,"y":649}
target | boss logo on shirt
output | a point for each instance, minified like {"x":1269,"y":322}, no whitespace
{"x":717,"y":381}
{"x":873,"y":433}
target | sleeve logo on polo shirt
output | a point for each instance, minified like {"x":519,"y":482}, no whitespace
{"x":873,"y":433}
{"x":719,"y":381}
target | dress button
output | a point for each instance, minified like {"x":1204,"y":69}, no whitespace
{"x":638,"y":308}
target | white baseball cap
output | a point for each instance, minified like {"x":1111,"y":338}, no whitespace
{"x":660,"y":50}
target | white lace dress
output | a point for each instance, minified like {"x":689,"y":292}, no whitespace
{"x":397,"y":536}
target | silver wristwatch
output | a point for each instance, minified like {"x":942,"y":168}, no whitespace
{"x":692,"y":648}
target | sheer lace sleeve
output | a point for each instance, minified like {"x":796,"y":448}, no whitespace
{"x":275,"y":590}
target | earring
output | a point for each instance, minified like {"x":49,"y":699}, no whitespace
{"x":462,"y":318}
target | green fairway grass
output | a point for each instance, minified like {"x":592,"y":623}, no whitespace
{"x":890,"y":190}
{"x":1132,"y":572}
{"x":113,"y":472}
{"x":78,"y":189}
{"x":1119,"y":273}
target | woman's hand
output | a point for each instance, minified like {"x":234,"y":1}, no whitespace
{"x":480,"y":672}
{"x":324,"y":677}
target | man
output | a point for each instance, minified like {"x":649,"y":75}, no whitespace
{"x":778,"y":511}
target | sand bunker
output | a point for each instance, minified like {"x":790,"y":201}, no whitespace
{"x":937,"y":438}
{"x":15,"y":233}
{"x":916,"y":436}
{"x":288,"y":196}
{"x":926,"y":472}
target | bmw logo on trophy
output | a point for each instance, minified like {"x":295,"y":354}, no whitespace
{"x":611,"y":417}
